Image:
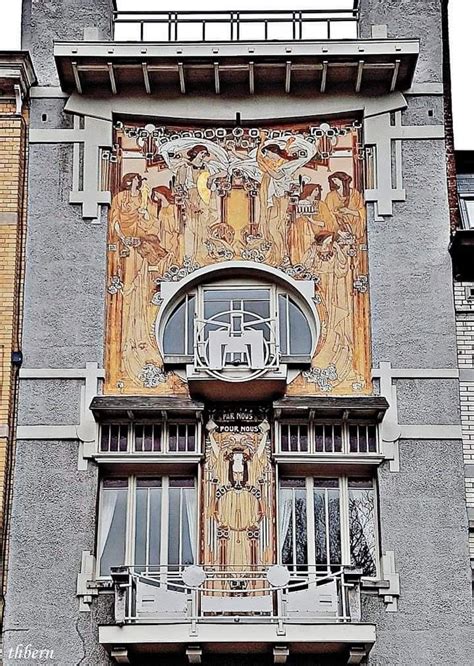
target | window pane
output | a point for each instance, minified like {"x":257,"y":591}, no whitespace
{"x":372,"y":438}
{"x":230,"y":294}
{"x":283,"y":323}
{"x":190,"y":323}
{"x":148,"y":522}
{"x":335,"y":554}
{"x":154,"y":539}
{"x":104,"y":437}
{"x":327,"y":522}
{"x":320,"y":526}
{"x":303,"y":438}
{"x":319,"y":438}
{"x":173,"y":337}
{"x":113,"y":520}
{"x":173,"y":437}
{"x":300,"y":333}
{"x":286,"y":525}
{"x":182,"y":522}
{"x":362,"y":525}
{"x":293,"y":522}
{"x":470,"y":213}
{"x":141,"y":527}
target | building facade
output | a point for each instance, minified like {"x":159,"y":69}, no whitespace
{"x":239,"y":431}
{"x":16,"y":78}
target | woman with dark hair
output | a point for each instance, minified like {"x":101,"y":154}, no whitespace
{"x":197,"y":154}
{"x":326,"y":258}
{"x":311,"y":216}
{"x":273,"y":200}
{"x":347,"y":204}
{"x":135,"y":243}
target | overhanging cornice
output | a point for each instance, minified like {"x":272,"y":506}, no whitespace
{"x":380,"y":66}
{"x":16,"y":68}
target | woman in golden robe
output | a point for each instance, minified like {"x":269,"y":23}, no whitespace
{"x":169,"y":224}
{"x":311,"y":217}
{"x":273,"y":199}
{"x":238,"y":500}
{"x":346,"y":204}
{"x":326,"y":258}
{"x":134,"y":235}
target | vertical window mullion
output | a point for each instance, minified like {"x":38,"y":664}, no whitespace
{"x":147,"y":532}
{"x":287,"y":332}
{"x":344,"y":511}
{"x":180,"y":531}
{"x":164,"y":525}
{"x":310,"y":525}
{"x":130,"y":524}
{"x":293,"y":526}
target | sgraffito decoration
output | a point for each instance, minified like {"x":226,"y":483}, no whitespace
{"x":289,"y":196}
{"x":238,"y":489}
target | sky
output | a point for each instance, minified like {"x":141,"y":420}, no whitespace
{"x":462,"y":43}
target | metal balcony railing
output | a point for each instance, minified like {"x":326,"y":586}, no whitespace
{"x":237,"y":26}
{"x":160,"y":595}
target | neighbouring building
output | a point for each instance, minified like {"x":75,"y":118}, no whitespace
{"x":16,"y":78}
{"x":462,"y":252}
{"x":239,"y":425}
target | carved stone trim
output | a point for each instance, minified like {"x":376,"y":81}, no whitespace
{"x":83,"y":591}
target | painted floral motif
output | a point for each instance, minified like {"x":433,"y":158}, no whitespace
{"x":152,"y":376}
{"x":322,"y":377}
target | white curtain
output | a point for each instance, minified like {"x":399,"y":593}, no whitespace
{"x":286,"y":509}
{"x":190,"y":503}
{"x":107,"y":510}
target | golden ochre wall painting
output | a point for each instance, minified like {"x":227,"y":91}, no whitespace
{"x":289,"y":196}
{"x":238,"y":529}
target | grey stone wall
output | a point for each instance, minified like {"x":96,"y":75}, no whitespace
{"x":410,"y":19}
{"x":423,"y":521}
{"x":65,"y":261}
{"x":46,"y":21}
{"x":53,"y":519}
{"x":410,"y":269}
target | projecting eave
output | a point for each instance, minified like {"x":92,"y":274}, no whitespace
{"x":16,"y":68}
{"x":378,"y":66}
{"x":347,"y":408}
{"x":129,"y":407}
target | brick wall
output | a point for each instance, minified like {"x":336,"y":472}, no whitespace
{"x":465,"y":341}
{"x":13,"y":156}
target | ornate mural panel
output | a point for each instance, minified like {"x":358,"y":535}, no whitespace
{"x":289,"y":196}
{"x":238,"y":489}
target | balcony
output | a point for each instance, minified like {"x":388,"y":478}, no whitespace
{"x":248,"y":52}
{"x":215,"y":609}
{"x":240,"y":26}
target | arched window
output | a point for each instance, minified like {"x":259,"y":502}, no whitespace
{"x":238,"y":330}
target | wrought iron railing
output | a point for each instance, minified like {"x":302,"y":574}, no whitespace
{"x":275,"y":595}
{"x":238,"y":26}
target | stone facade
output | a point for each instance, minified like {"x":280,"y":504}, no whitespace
{"x":419,"y":604}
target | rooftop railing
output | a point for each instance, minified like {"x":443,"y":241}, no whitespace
{"x":237,"y":26}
